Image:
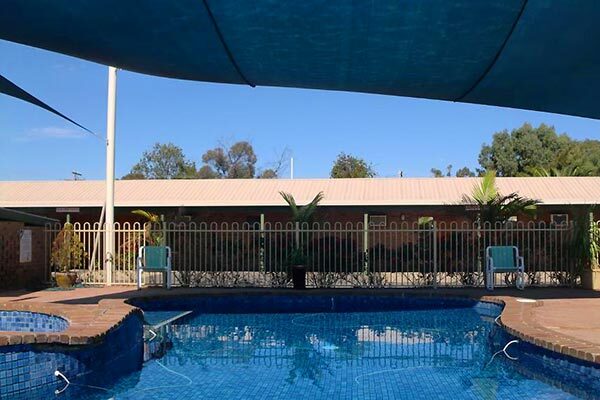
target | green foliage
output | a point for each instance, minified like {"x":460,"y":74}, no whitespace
{"x":153,"y":237}
{"x":546,"y":173}
{"x":167,"y":161}
{"x":302,"y":214}
{"x":348,"y":166}
{"x":585,"y":243}
{"x":164,"y":161}
{"x":581,"y":156}
{"x":424,"y":222}
{"x":465,"y":172}
{"x":237,"y":161}
{"x":437,"y":173}
{"x":462,"y":172}
{"x":530,"y":151}
{"x":67,"y":250}
{"x":296,"y":257}
{"x":133,"y":176}
{"x":495,"y":207}
{"x":268,"y":174}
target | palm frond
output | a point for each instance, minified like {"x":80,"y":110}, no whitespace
{"x":486,"y":190}
{"x":304,"y":213}
{"x":308,"y":210}
{"x":150,"y":217}
{"x":289,"y":199}
{"x":494,"y":207}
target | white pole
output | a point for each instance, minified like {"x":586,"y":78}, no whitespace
{"x":111,"y":117}
{"x":292,"y":168}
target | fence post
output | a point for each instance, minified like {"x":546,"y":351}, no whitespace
{"x":163,"y":227}
{"x":481,"y":242}
{"x":261,"y":253}
{"x":365,"y":243}
{"x":435,"y":255}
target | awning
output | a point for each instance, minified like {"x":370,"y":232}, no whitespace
{"x":537,"y":54}
{"x":27,"y":218}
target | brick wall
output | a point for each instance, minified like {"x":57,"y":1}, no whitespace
{"x":16,"y":275}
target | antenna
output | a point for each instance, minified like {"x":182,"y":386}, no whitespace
{"x":292,"y":168}
{"x":76,"y":175}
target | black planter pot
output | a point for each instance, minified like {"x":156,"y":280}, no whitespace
{"x":299,"y":276}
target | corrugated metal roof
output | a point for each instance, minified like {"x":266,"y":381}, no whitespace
{"x":265,"y":192}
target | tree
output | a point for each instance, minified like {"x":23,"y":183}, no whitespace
{"x":437,"y":173}
{"x":495,"y":207}
{"x":579,"y":158}
{"x":348,"y":166}
{"x":236,"y":162}
{"x":164,"y":161}
{"x":133,"y":175}
{"x":465,"y":172}
{"x":277,"y":167}
{"x":523,"y":150}
{"x":268,"y":174}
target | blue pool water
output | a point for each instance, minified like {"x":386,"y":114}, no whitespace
{"x":415,"y":349}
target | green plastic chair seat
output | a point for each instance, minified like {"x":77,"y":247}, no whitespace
{"x":504,"y":259}
{"x":155,"y":258}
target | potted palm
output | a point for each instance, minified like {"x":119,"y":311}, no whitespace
{"x":66,"y":256}
{"x":300,"y":215}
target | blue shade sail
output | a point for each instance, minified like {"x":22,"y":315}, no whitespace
{"x":10,"y":89}
{"x":536,"y":54}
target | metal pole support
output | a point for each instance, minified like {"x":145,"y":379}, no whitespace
{"x":111,"y":118}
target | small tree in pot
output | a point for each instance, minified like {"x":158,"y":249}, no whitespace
{"x":585,"y":250}
{"x":67,"y":255}
{"x":300,"y":215}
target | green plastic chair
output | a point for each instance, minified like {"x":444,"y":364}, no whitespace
{"x":505,"y":259}
{"x":154,"y":259}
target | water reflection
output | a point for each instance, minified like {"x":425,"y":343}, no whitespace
{"x":310,"y":346}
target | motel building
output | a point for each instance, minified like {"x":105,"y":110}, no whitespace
{"x":384,"y":201}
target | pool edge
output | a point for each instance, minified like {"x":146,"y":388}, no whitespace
{"x":91,"y":323}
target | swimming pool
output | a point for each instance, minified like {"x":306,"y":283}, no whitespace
{"x":334,"y":348}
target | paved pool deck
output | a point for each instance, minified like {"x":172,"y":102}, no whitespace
{"x":559,"y":319}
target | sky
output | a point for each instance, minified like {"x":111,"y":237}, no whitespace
{"x":393,"y":133}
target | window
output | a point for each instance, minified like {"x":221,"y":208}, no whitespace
{"x":559,"y":219}
{"x":378,"y":221}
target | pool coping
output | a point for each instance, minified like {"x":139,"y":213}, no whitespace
{"x":90,"y":323}
{"x":87,"y":324}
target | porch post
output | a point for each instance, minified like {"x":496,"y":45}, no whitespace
{"x":109,"y":236}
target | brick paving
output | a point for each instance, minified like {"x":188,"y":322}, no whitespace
{"x":558,"y":319}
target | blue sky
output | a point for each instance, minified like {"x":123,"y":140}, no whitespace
{"x":393,"y":133}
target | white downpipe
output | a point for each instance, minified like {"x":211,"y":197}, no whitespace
{"x":111,"y":119}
